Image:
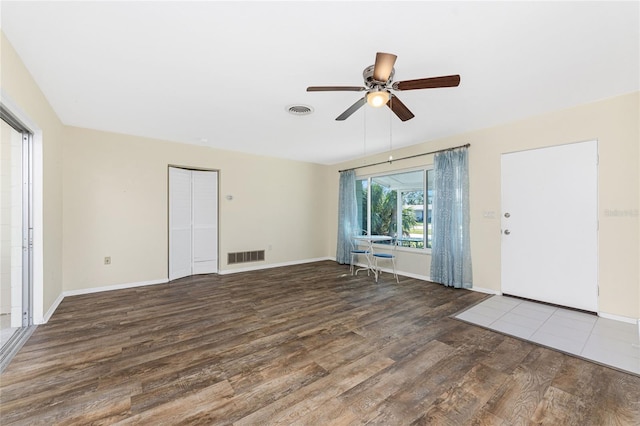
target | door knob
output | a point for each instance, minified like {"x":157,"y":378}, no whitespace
{"x":507,"y":232}
{"x":507,"y":214}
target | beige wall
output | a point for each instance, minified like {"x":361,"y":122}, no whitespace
{"x":115,"y":204}
{"x":115,"y":196}
{"x":615,"y":124}
{"x":115,"y":199}
{"x":19,"y":86}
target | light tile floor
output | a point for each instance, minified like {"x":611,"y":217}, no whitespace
{"x":609,"y":342}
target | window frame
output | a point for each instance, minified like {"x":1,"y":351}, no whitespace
{"x":369,"y":178}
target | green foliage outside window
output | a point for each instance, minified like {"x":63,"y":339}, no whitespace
{"x":383,"y":212}
{"x":414,"y":230}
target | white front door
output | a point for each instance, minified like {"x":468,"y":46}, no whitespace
{"x":550,"y":225}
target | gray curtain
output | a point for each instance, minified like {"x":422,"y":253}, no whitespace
{"x":347,"y":216}
{"x":451,"y":247}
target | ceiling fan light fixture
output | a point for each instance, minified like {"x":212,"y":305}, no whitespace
{"x":378,"y":98}
{"x":378,"y":83}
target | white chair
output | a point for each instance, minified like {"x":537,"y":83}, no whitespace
{"x":357,"y":251}
{"x":386,"y":256}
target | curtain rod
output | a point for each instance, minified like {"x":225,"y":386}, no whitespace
{"x":406,"y":158}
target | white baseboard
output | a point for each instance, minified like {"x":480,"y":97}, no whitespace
{"x":619,"y":318}
{"x":428,"y":278}
{"x":98,"y":290}
{"x":390,"y":271}
{"x":64,"y":294}
{"x":52,"y":309}
{"x":485,"y":290}
{"x":407,"y":274}
{"x":113,"y":287}
{"x":272,"y":265}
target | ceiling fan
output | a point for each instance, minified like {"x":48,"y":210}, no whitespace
{"x":378,"y":85}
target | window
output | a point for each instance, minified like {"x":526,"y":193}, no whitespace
{"x":395,"y":205}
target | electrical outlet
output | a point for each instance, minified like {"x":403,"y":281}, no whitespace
{"x":107,"y":260}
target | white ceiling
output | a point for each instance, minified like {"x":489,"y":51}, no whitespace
{"x":222,"y":74}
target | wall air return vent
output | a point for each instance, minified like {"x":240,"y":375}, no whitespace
{"x":245,"y":256}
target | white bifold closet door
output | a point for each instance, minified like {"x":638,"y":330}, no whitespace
{"x":193,"y":222}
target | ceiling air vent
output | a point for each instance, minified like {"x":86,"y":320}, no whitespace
{"x":299,"y":109}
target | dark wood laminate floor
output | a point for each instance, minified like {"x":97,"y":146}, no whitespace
{"x":297,"y":345}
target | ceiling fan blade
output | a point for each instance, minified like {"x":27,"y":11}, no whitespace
{"x":353,"y":108}
{"x":335,"y":89}
{"x":428,"y":83}
{"x":384,"y":66}
{"x":399,"y":108}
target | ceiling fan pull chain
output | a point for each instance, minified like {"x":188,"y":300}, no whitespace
{"x":390,"y":132}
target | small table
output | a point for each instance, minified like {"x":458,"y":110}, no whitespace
{"x":370,"y":239}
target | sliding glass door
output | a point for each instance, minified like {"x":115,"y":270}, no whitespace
{"x":16,"y":239}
